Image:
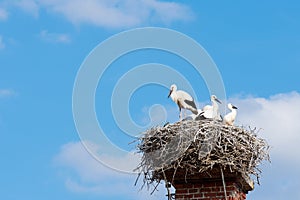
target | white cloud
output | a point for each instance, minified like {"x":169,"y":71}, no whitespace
{"x":107,"y":13}
{"x":74,"y":155}
{"x":7,"y":93}
{"x":29,"y":6}
{"x":118,"y":13}
{"x":2,"y":44}
{"x":278,"y":117}
{"x":90,"y":176}
{"x":3,"y":14}
{"x":169,"y":11}
{"x":55,"y":37}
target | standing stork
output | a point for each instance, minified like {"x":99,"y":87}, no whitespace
{"x":211,"y":111}
{"x":230,"y":117}
{"x":183,"y":100}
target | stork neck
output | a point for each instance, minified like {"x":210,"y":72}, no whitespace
{"x":234,"y":111}
{"x":174,"y":96}
{"x":215,"y":107}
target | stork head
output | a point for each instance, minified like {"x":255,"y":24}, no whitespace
{"x":230,"y":106}
{"x":214,"y":98}
{"x":172,"y":89}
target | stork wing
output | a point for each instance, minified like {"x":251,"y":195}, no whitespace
{"x":191,"y":103}
{"x":200,"y":116}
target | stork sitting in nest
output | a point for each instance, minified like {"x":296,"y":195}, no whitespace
{"x":230,"y":117}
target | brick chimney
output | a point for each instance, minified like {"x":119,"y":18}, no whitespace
{"x":209,"y":186}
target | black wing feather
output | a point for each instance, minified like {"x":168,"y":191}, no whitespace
{"x":191,"y":103}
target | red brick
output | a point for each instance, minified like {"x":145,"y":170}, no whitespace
{"x":193,"y":190}
{"x":230,"y":188}
{"x":198,"y":195}
{"x":210,"y":194}
{"x":181,"y":190}
{"x":197,"y":185}
{"x":179,"y":196}
{"x":215,"y":189}
{"x":220,"y":193}
{"x":208,"y":191}
{"x":210,"y":184}
{"x":243,"y":195}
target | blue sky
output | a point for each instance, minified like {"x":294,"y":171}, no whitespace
{"x":43,"y":43}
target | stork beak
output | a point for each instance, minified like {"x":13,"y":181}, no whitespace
{"x":170,"y":93}
{"x":234,"y":107}
{"x":218,"y":101}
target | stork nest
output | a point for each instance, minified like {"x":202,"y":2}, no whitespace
{"x":199,"y":146}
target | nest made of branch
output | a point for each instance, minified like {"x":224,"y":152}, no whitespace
{"x":199,"y":146}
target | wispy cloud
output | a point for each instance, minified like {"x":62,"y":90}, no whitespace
{"x":107,"y":13}
{"x":169,"y":11}
{"x":55,"y":37}
{"x":2,"y":44}
{"x":3,"y":14}
{"x":278,"y":117}
{"x":29,"y":6}
{"x":94,"y":178}
{"x":7,"y":93}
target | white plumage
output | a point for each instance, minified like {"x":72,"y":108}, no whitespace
{"x":183,"y":100}
{"x":211,"y":111}
{"x":230,"y":117}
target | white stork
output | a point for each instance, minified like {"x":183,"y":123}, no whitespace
{"x":211,"y":111}
{"x":230,"y":117}
{"x":183,"y":100}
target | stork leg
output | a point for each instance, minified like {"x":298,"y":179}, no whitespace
{"x":180,"y":117}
